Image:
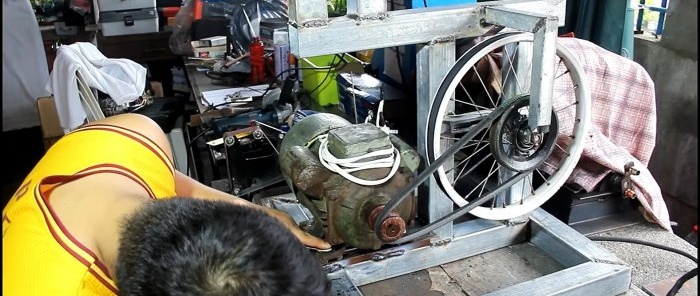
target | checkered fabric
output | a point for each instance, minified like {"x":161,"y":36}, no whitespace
{"x":623,"y":126}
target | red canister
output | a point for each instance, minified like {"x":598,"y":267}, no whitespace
{"x":257,"y":61}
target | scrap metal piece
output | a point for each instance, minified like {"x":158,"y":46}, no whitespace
{"x":342,"y":284}
{"x":627,"y":190}
{"x":381,"y":256}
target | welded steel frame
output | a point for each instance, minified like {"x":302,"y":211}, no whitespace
{"x":368,"y":25}
{"x":588,"y":268}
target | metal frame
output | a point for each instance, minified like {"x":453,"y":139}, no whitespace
{"x":588,"y":269}
{"x":88,"y":98}
{"x":368,"y":25}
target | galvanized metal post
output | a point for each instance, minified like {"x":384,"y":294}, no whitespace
{"x":303,"y":11}
{"x":516,"y":62}
{"x":544,"y":51}
{"x":366,"y":9}
{"x":544,"y":27}
{"x":536,"y":79}
{"x":433,"y":62}
{"x":304,"y":14}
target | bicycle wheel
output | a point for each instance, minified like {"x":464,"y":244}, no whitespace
{"x":481,"y":79}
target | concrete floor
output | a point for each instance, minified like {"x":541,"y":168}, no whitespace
{"x":475,"y":275}
{"x":653,"y":270}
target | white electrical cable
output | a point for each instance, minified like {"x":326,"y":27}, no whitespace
{"x":386,"y":158}
{"x":345,"y":166}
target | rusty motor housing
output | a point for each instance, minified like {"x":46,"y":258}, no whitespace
{"x":344,"y":211}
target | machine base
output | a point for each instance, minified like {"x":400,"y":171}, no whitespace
{"x":588,"y":269}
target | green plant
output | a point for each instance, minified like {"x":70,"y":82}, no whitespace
{"x":337,"y":7}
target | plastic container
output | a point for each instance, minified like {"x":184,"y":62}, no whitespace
{"x":320,"y":81}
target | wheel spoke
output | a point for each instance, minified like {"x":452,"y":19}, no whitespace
{"x":543,"y":177}
{"x":557,"y":70}
{"x":475,"y":152}
{"x":575,"y":87}
{"x":562,"y":149}
{"x":468,"y":158}
{"x":551,"y":165}
{"x":510,"y":65}
{"x":567,"y":106}
{"x":486,"y":89}
{"x":471,"y":169}
{"x":562,"y":74}
{"x":471,"y":104}
{"x":480,"y":183}
{"x":466,"y":164}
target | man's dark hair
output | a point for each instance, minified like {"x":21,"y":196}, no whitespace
{"x":188,"y":246}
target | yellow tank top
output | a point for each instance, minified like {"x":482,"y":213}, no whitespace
{"x":40,"y":257}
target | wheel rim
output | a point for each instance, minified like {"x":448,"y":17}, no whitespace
{"x":483,"y":162}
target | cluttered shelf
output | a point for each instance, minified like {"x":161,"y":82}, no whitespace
{"x":229,"y":105}
{"x":237,"y":125}
{"x":217,"y":163}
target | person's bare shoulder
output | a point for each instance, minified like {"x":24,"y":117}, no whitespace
{"x":140,"y":124}
{"x":132,"y":121}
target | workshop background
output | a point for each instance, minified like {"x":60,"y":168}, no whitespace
{"x":660,"y":35}
{"x":670,"y":59}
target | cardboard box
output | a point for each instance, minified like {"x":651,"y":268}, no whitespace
{"x":210,"y":52}
{"x":157,"y":88}
{"x":272,"y":32}
{"x":281,"y":56}
{"x":48,"y":117}
{"x":209,"y":42}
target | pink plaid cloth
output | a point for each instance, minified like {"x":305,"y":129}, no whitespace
{"x":623,"y":123}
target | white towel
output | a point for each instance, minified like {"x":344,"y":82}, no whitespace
{"x":122,"y":79}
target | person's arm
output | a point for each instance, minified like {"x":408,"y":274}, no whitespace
{"x":186,"y":186}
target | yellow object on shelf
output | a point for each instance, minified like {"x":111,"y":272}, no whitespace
{"x":365,"y":55}
{"x":319,"y":80}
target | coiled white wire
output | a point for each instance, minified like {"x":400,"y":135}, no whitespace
{"x":385,"y":158}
